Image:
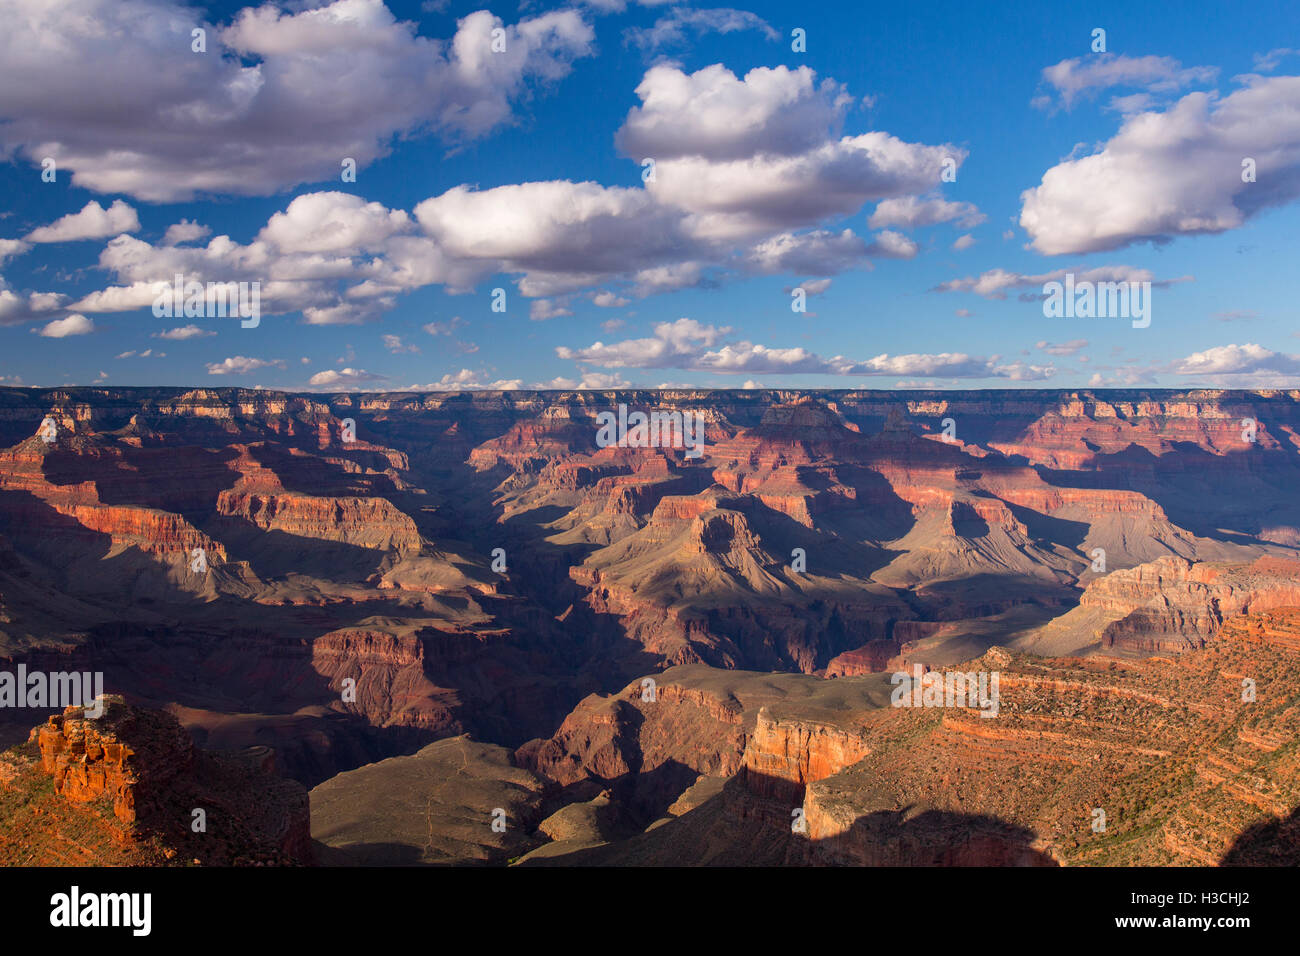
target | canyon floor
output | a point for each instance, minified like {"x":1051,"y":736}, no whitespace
{"x":452,"y":629}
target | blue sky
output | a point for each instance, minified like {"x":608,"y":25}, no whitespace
{"x":776,"y":169}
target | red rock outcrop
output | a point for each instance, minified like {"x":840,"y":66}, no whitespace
{"x":1173,"y":604}
{"x":702,"y":724}
{"x":389,"y":686}
{"x":783,"y":756}
{"x":142,"y":767}
{"x":34,"y":500}
{"x":365,"y":522}
{"x":92,"y":758}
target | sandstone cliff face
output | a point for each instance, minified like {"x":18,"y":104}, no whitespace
{"x":872,"y":656}
{"x":89,"y":759}
{"x":365,"y":522}
{"x":30,"y":503}
{"x":389,"y":686}
{"x":1172,"y":604}
{"x":1076,"y":431}
{"x":261,"y":499}
{"x":783,"y":756}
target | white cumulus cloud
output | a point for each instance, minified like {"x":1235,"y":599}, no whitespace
{"x":93,"y":222}
{"x":74,"y":324}
{"x":1174,"y":173}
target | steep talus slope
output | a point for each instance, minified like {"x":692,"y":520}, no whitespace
{"x":434,"y":807}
